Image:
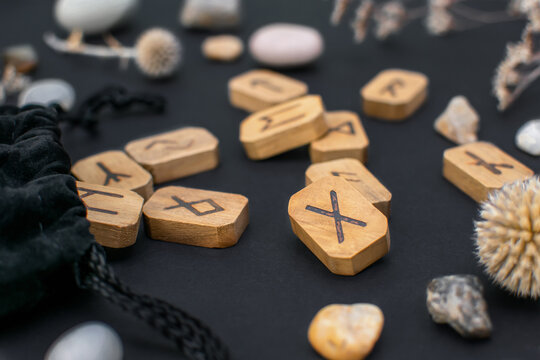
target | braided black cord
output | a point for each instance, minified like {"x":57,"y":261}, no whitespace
{"x":194,"y":339}
{"x":115,"y":97}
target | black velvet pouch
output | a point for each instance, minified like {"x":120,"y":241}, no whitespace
{"x":45,"y":238}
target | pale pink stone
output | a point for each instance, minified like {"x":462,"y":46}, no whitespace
{"x":286,"y":45}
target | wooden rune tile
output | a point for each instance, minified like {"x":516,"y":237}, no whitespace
{"x":358,"y":176}
{"x":256,"y":90}
{"x":480,"y":167}
{"x":114,"y":214}
{"x":394,"y":94}
{"x":196,"y":217}
{"x":283,"y":127}
{"x":346,"y":138}
{"x":176,"y":154}
{"x":115,"y":169}
{"x":339,"y":225}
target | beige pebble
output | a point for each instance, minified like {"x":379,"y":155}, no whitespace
{"x":346,"y":332}
{"x":222,"y":47}
{"x":459,"y":122}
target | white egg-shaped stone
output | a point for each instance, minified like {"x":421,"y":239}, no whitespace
{"x":87,"y":341}
{"x":286,"y":45}
{"x":528,"y":137}
{"x":93,"y":16}
{"x":47,"y":92}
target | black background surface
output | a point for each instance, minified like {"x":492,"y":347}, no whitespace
{"x":261,"y":294}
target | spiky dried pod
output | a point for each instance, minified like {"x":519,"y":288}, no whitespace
{"x":158,"y":53}
{"x":508,"y":237}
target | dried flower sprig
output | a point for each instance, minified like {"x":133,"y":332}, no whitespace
{"x":521,"y":65}
{"x":441,"y":16}
{"x":157,"y":52}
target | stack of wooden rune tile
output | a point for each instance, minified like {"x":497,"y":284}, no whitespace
{"x":341,"y":214}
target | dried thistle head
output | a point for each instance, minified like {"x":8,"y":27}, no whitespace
{"x":158,"y":53}
{"x":361,"y":20}
{"x":390,"y":18}
{"x":508,"y":237}
{"x":439,"y":21}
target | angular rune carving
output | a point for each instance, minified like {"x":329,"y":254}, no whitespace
{"x":170,"y":144}
{"x":339,"y":173}
{"x":266,"y":84}
{"x":89,"y":192}
{"x":110,"y":175}
{"x":338,"y":218}
{"x":344,"y":128}
{"x":269,"y":121}
{"x":189,"y":205}
{"x":490,"y":166}
{"x":391,"y":87}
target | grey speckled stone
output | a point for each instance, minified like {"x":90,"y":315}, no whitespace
{"x":457,"y":300}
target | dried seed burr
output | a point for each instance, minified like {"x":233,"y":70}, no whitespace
{"x":508,"y":237}
{"x":157,"y":52}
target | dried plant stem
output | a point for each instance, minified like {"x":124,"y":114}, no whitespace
{"x":61,"y":45}
{"x":522,"y":86}
{"x":340,"y":6}
{"x":482,"y":16}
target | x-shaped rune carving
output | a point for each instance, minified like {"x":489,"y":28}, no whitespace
{"x":338,"y":218}
{"x":189,"y":206}
{"x":490,"y":166}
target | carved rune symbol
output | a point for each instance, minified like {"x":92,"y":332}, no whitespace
{"x":90,"y":192}
{"x":338,"y":218}
{"x":490,"y":166}
{"x":339,"y":173}
{"x":344,"y":128}
{"x":182,"y":204}
{"x":270,"y":122}
{"x":391,"y":87}
{"x":110,"y":175}
{"x":170,"y":144}
{"x":266,"y":84}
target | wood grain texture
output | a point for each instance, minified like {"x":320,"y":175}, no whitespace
{"x":114,"y":214}
{"x":339,"y":225}
{"x":283,"y":127}
{"x":358,"y":176}
{"x":394,"y":94}
{"x":114,"y":169}
{"x":176,"y":154}
{"x":196,"y":217}
{"x":257,"y":90}
{"x":481,"y":167}
{"x":346,"y":138}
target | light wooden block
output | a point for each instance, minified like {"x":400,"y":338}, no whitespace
{"x":346,"y":138}
{"x":339,"y":225}
{"x":176,"y":154}
{"x":480,"y":167}
{"x":283,"y":127}
{"x":394,"y":94}
{"x":196,"y":217}
{"x":114,"y":214}
{"x":115,"y":169}
{"x":358,"y":176}
{"x":257,"y":90}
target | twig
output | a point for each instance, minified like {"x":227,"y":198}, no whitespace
{"x":87,"y":49}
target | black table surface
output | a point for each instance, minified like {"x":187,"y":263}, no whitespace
{"x":261,"y":294}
